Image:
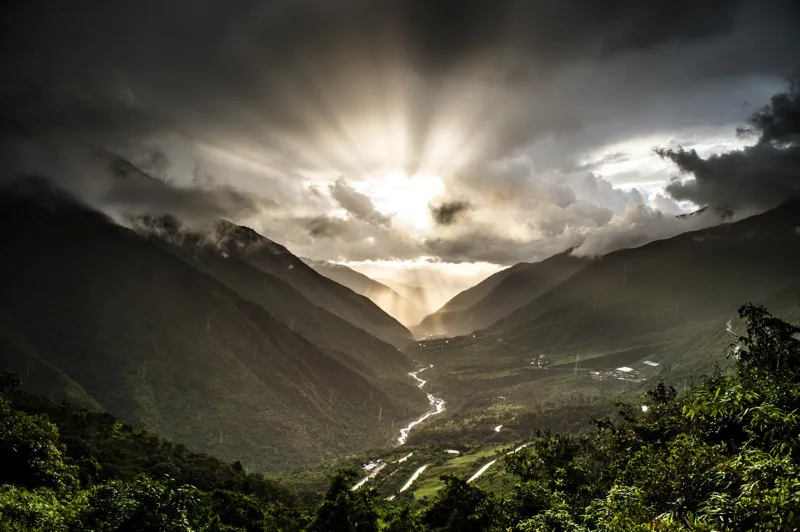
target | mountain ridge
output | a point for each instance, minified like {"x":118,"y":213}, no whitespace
{"x":666,"y":303}
{"x":499,"y":295}
{"x":149,"y":337}
{"x":393,"y":303}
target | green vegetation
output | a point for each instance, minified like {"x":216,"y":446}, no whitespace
{"x":665,"y":303}
{"x":205,"y":350}
{"x":721,"y":456}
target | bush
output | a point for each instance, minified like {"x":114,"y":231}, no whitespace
{"x":723,"y":456}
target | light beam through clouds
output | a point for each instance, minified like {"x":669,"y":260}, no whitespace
{"x":341,"y":128}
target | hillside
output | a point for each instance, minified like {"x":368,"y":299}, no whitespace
{"x":691,"y":277}
{"x":499,"y":295}
{"x":276,"y":260}
{"x":100,"y":315}
{"x":719,"y":455}
{"x":660,"y":311}
{"x":260,"y":253}
{"x":226,"y":258}
{"x":407,"y":311}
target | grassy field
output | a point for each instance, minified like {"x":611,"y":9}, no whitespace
{"x":464,"y":466}
{"x":400,"y":463}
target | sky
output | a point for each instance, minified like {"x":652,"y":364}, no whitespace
{"x":419,"y":140}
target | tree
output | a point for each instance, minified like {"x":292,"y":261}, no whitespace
{"x":402,"y":520}
{"x":30,"y":452}
{"x":8,"y":382}
{"x":460,"y":507}
{"x":346,"y":510}
{"x":143,"y":505}
{"x":769,"y":345}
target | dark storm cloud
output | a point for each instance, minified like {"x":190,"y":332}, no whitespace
{"x":109,"y":182}
{"x":758,"y":176}
{"x":442,"y":33}
{"x":281,"y":88}
{"x":328,"y":227}
{"x":231,"y":66}
{"x":357,"y":204}
{"x":449,"y":212}
{"x":491,"y":248}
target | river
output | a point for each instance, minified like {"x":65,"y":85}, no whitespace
{"x":437,"y":407}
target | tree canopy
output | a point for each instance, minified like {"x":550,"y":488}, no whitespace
{"x":722,"y":455}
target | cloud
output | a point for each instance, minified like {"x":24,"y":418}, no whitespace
{"x":666,"y":204}
{"x":449,"y":212}
{"x":357,"y":204}
{"x":639,"y":225}
{"x":519,"y":213}
{"x":328,"y":227}
{"x":110,"y":183}
{"x":635,"y":226}
{"x":296,"y":80}
{"x":497,"y":249}
{"x":501,"y":100}
{"x":759,"y":176}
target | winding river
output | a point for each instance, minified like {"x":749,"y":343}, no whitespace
{"x":437,"y":407}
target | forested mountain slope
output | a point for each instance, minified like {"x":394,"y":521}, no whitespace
{"x":720,"y":455}
{"x":406,"y":310}
{"x":499,"y":295}
{"x":690,"y":277}
{"x":276,"y":260}
{"x":104,"y":316}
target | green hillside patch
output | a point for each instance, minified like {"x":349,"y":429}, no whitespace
{"x":462,"y":466}
{"x":722,"y":455}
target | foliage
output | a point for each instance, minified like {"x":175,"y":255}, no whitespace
{"x":64,"y":468}
{"x":37,"y":510}
{"x":462,"y":507}
{"x":722,"y":456}
{"x":345,"y":510}
{"x":30,"y":451}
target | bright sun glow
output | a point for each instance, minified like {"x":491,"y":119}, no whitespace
{"x":407,"y":198}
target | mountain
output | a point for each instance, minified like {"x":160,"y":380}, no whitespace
{"x":113,"y":320}
{"x":499,"y":295}
{"x":404,"y":309}
{"x":357,"y":309}
{"x":690,"y":277}
{"x":259,"y":252}
{"x":226,"y":256}
{"x":662,"y":310}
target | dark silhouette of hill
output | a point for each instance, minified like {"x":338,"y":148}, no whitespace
{"x":688,"y":278}
{"x":499,"y":295}
{"x":661,"y":310}
{"x":276,"y":260}
{"x":98,"y":314}
{"x":255,"y":249}
{"x":403,"y":308}
{"x":225,"y":256}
